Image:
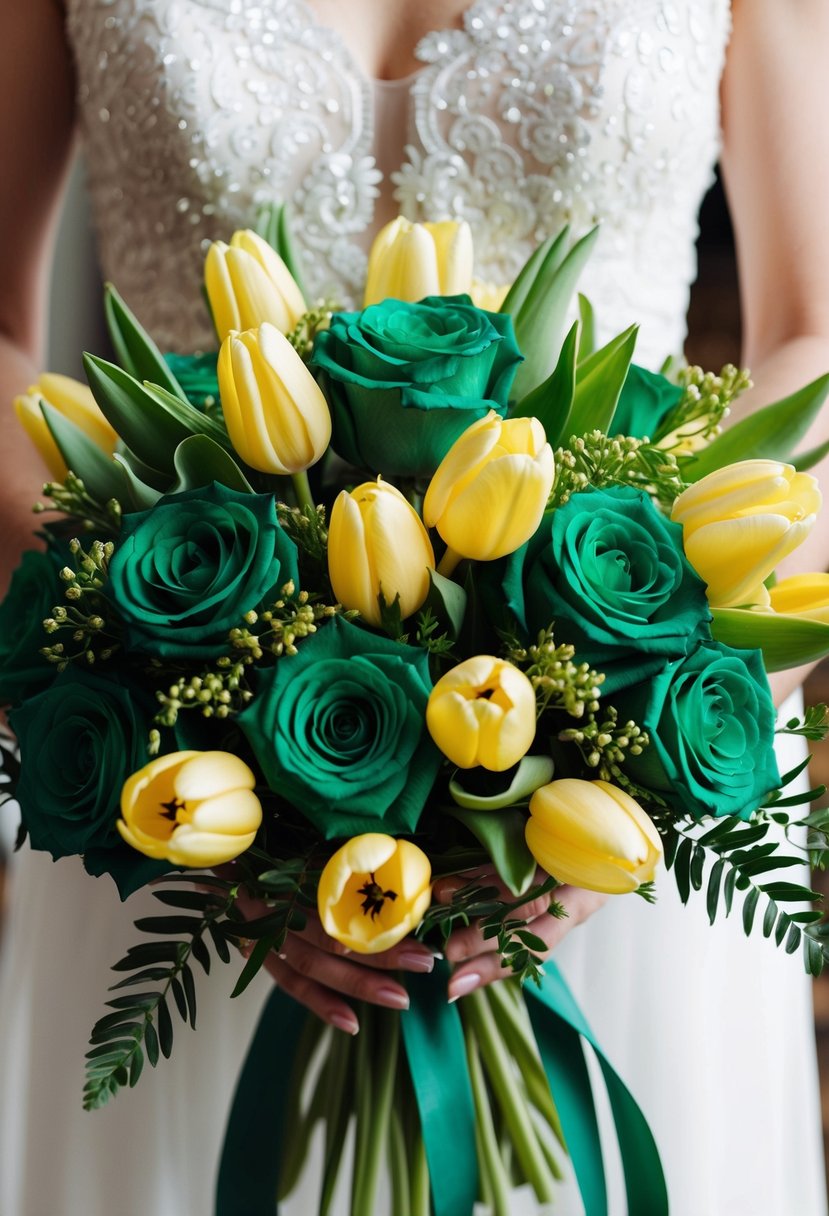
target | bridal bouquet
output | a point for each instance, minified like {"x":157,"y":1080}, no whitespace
{"x":378,"y":597}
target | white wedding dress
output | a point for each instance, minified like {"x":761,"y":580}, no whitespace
{"x":535,"y":113}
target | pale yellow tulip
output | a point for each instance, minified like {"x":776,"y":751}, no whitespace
{"x":483,"y":712}
{"x":75,"y":402}
{"x":592,"y":834}
{"x":409,"y":261}
{"x":247,"y":283}
{"x":803,"y":595}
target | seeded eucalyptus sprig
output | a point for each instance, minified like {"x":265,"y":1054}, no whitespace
{"x":93,"y":635}
{"x":594,"y":460}
{"x":703,"y":407}
{"x":220,"y":691}
{"x":604,"y":742}
{"x":559,"y":682}
{"x":291,"y":618}
{"x":72,"y":498}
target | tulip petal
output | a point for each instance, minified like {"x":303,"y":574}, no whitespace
{"x":256,"y":296}
{"x":210,"y":773}
{"x":236,"y":812}
{"x":220,"y":293}
{"x":578,"y":867}
{"x":198,"y":850}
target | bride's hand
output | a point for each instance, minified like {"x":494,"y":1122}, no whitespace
{"x":475,"y":959}
{"x":317,"y":971}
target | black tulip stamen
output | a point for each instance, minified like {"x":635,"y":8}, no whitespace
{"x":172,"y":808}
{"x":375,"y":897}
{"x":485,"y":694}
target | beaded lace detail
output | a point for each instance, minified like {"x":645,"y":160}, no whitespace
{"x":536,"y":113}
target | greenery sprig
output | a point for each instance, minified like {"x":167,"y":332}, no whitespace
{"x":308,"y":326}
{"x":92,"y":636}
{"x":605,"y":743}
{"x":703,"y":407}
{"x":597,"y":461}
{"x":71,"y":497}
{"x":220,"y":691}
{"x":559,"y":682}
{"x":289,"y":619}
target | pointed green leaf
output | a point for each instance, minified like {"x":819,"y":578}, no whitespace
{"x":771,"y":433}
{"x":540,"y":320}
{"x":502,"y":835}
{"x":194,"y":420}
{"x":135,"y":494}
{"x":808,"y":460}
{"x":199,"y":461}
{"x":587,"y":334}
{"x":599,"y":382}
{"x":786,"y":641}
{"x":447,"y":601}
{"x":552,"y":402}
{"x":134,"y":348}
{"x":98,"y":471}
{"x":545,"y":260}
{"x":145,"y":425}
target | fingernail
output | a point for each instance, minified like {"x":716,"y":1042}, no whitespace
{"x":393,"y":997}
{"x":343,"y":1022}
{"x":462,"y":985}
{"x":416,"y":960}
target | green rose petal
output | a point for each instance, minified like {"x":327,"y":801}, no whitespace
{"x":34,"y":590}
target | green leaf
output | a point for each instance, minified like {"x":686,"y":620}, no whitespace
{"x":587,"y":333}
{"x":165,"y":1029}
{"x":502,"y":835}
{"x":146,"y":426}
{"x":136,"y":1067}
{"x":98,"y":471}
{"x":545,"y":259}
{"x":136,"y":494}
{"x":168,"y":924}
{"x":749,"y":908}
{"x":179,"y":997}
{"x":552,"y":402}
{"x":254,"y":963}
{"x":198,"y":461}
{"x":189,"y":992}
{"x":151,"y":1044}
{"x":786,"y":641}
{"x":133,"y":346}
{"x":599,"y":383}
{"x":530,"y":774}
{"x":771,"y":433}
{"x":447,"y":601}
{"x":811,"y":457}
{"x":192,"y":419}
{"x":197,"y":901}
{"x":540,"y":320}
{"x":783,"y":892}
{"x":273,"y":225}
{"x":713,"y":893}
{"x":682,"y":868}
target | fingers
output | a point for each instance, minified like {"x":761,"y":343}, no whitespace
{"x":319,"y":1000}
{"x":408,"y":955}
{"x":351,"y":978}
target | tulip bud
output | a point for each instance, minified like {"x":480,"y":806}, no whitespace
{"x":373,"y":891}
{"x":488,"y":296}
{"x":409,"y":261}
{"x":803,"y":595}
{"x":75,"y":401}
{"x":194,"y":809}
{"x":276,"y":416}
{"x":483,"y":712}
{"x":490,"y":490}
{"x":377,"y":543}
{"x":740,"y":521}
{"x":592,"y":834}
{"x":247,"y":283}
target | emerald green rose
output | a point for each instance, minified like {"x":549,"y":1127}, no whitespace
{"x":79,"y":741}
{"x":711,"y":720}
{"x":187,"y":570}
{"x":33,"y":592}
{"x":340,"y":731}
{"x":405,"y":380}
{"x":610,"y":572}
{"x":197,"y":376}
{"x":645,"y":401}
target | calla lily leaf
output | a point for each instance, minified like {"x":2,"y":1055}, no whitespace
{"x":146,"y":426}
{"x":133,"y":346}
{"x":599,"y":382}
{"x":545,"y":260}
{"x":447,"y":601}
{"x":199,"y":461}
{"x":502,"y":835}
{"x":196,"y":422}
{"x":552,"y":402}
{"x":97,"y":470}
{"x":587,"y":334}
{"x":786,"y":641}
{"x":771,"y":433}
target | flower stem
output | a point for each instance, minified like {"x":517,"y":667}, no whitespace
{"x":494,"y":1178}
{"x":299,"y":1123}
{"x":302,"y":489}
{"x":448,"y":562}
{"x":499,"y":1068}
{"x":398,"y":1160}
{"x":374,"y":1103}
{"x":339,"y":1084}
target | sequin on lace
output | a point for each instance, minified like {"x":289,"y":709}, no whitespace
{"x":536,"y":113}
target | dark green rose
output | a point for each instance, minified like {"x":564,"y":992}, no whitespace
{"x":340,"y":731}
{"x":405,"y":380}
{"x":646,"y":400}
{"x":186,"y":571}
{"x":34,"y":590}
{"x":711,"y":721}
{"x":197,"y":376}
{"x":609,"y":571}
{"x":79,"y":741}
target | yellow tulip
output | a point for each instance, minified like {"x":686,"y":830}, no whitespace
{"x":193,"y":809}
{"x":377,"y":542}
{"x":489,"y":296}
{"x":740,"y":521}
{"x":248,"y":283}
{"x":277,"y":418}
{"x":483,"y":712}
{"x":72,"y":399}
{"x":409,"y":261}
{"x":592,"y":834}
{"x":489,"y":492}
{"x":804,"y":595}
{"x":373,"y":891}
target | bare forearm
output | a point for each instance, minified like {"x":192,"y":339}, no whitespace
{"x":21,"y":471}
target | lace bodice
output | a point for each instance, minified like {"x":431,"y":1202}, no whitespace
{"x":536,"y":113}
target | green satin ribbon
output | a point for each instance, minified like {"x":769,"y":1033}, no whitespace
{"x":434,"y":1046}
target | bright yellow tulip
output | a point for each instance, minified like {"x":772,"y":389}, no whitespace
{"x":804,"y":595}
{"x":72,"y":399}
{"x":490,"y":490}
{"x":592,"y":834}
{"x":373,"y":891}
{"x":740,"y":521}
{"x":483,"y":712}
{"x":377,"y":542}
{"x":277,"y":418}
{"x":194,"y":809}
{"x":248,"y":283}
{"x":409,"y":261}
